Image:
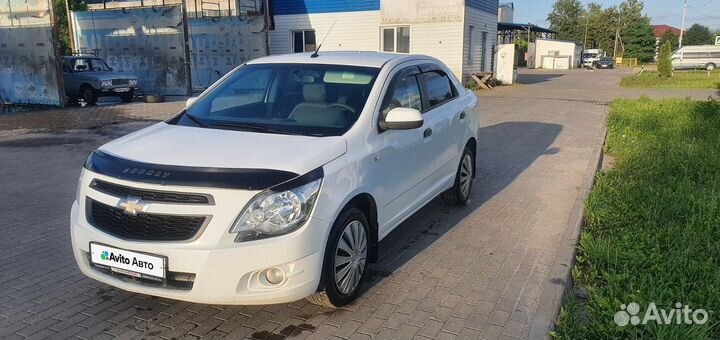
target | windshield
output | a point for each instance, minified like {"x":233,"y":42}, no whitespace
{"x":589,"y":55}
{"x":305,"y":99}
{"x":89,"y":65}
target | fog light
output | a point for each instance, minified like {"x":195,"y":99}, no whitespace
{"x":274,"y":276}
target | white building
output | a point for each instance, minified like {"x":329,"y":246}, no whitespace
{"x":554,"y":54}
{"x":461,"y":33}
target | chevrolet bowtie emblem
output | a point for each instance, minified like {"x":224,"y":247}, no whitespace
{"x":132,"y":205}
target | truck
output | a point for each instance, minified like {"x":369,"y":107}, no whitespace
{"x":591,"y":56}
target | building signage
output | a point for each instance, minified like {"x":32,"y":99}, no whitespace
{"x":407,"y":11}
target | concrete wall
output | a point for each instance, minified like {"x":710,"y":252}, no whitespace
{"x":147,"y":42}
{"x":28,"y":66}
{"x":219,"y":45}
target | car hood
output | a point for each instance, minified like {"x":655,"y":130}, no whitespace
{"x":165,"y":144}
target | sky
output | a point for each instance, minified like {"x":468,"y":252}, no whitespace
{"x":668,"y":12}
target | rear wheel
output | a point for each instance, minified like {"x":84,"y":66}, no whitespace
{"x":344,"y":267}
{"x":460,"y":193}
{"x":87,"y":93}
{"x":710,"y":67}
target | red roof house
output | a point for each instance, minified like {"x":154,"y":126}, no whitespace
{"x":660,"y":29}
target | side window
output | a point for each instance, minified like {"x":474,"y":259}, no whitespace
{"x":404,"y":91}
{"x":66,"y":66}
{"x":439,"y":88}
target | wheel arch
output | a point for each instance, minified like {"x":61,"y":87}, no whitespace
{"x":472,"y":144}
{"x":366,"y":203}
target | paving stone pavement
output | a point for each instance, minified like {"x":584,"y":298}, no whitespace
{"x":476,"y":272}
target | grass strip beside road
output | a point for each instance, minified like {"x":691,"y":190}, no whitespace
{"x":680,"y":80}
{"x":652,"y":229}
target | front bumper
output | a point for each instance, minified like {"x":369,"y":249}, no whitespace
{"x":117,"y":90}
{"x":211,"y":268}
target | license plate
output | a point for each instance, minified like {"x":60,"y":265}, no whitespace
{"x":122,"y":89}
{"x":128,"y":262}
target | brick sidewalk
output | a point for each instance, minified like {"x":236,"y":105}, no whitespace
{"x":58,"y":120}
{"x":473,"y":272}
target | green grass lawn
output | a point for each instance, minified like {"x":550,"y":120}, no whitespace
{"x":681,"y":80}
{"x":653,"y":223}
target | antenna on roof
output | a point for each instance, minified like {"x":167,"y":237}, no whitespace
{"x":315,"y":54}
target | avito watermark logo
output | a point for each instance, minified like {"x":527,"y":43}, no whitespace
{"x":681,"y":314}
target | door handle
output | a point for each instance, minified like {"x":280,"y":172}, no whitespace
{"x":427,"y":133}
{"x":462,"y":115}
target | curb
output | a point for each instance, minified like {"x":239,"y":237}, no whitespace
{"x":553,"y":294}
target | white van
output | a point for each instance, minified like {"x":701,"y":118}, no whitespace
{"x":696,"y":57}
{"x":591,"y":56}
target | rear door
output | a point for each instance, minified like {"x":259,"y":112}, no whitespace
{"x":445,"y":116}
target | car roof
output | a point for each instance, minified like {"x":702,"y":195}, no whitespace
{"x":352,"y":58}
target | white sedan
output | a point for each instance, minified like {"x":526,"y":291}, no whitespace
{"x":279,"y":181}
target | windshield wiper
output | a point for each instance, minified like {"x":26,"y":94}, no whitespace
{"x":253,"y":127}
{"x":195,"y":120}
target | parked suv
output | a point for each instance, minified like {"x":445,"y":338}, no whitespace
{"x":279,"y":181}
{"x":88,"y":78}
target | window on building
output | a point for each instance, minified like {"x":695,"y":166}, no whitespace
{"x":395,"y":39}
{"x":483,"y":46}
{"x":471,"y":44}
{"x":303,"y":41}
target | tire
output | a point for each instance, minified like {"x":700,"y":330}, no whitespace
{"x":710,"y":67}
{"x":87,"y":93}
{"x":346,"y":288}
{"x":127,"y":96}
{"x":461,"y":191}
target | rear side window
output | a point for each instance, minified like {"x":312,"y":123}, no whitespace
{"x":695,"y":55}
{"x":439,"y":88}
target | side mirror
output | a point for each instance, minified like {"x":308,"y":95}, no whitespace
{"x":402,"y":118}
{"x":190,"y":101}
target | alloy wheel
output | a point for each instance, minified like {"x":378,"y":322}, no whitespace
{"x":466,"y":172}
{"x":350,"y":257}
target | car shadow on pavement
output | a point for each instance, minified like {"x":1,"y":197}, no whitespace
{"x":529,"y":79}
{"x":505,"y":150}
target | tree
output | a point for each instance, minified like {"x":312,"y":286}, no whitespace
{"x":698,"y":35}
{"x":664,"y":65}
{"x":601,"y":27}
{"x":567,"y":18}
{"x":639,"y":40}
{"x":669,"y":36}
{"x":62,"y":21}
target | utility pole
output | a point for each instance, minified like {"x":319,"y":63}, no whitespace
{"x":587,"y":23}
{"x":682,"y":27}
{"x":186,"y":38}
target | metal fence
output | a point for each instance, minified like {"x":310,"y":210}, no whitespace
{"x":29,"y":64}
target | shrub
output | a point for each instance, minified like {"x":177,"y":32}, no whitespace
{"x":664,"y":65}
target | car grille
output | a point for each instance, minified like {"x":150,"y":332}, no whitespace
{"x":150,"y":195}
{"x":120,"y":81}
{"x":143,"y":226}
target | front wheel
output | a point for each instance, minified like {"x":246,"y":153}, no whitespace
{"x":127,"y":96}
{"x":88,"y":95}
{"x":460,"y":193}
{"x":344,"y":267}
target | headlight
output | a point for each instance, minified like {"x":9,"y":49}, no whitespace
{"x":279,"y":210}
{"x":106,"y":83}
{"x":132,"y":82}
